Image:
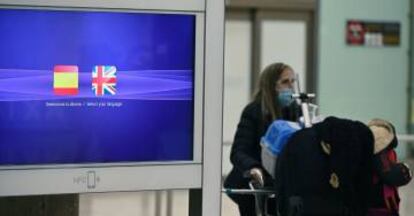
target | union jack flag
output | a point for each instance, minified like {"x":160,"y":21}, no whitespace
{"x":104,"y":80}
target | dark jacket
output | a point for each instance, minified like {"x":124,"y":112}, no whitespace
{"x":246,"y":150}
{"x":326,"y":169}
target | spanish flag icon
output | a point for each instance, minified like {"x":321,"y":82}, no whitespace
{"x":65,"y":80}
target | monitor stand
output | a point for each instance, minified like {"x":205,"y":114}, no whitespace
{"x":45,"y":205}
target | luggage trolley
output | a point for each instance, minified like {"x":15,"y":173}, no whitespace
{"x":264,"y":195}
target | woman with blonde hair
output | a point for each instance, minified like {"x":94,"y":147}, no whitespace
{"x":272,"y":101}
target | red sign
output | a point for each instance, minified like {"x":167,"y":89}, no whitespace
{"x":355,"y":33}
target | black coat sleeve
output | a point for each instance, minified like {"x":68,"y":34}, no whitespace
{"x":245,"y":152}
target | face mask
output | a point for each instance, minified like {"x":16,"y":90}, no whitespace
{"x":285,"y":97}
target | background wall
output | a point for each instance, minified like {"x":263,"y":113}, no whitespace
{"x":363,"y":82}
{"x":237,"y":74}
{"x":284,"y":41}
{"x":412,"y":72}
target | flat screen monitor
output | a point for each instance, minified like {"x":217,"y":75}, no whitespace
{"x":82,"y":90}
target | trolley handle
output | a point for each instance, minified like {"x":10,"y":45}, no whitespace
{"x":252,"y":190}
{"x":248,"y":191}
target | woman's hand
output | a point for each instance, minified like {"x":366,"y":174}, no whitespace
{"x":256,"y":175}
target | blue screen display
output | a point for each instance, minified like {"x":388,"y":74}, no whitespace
{"x":95,"y":86}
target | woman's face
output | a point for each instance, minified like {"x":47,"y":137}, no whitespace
{"x":286,"y":80}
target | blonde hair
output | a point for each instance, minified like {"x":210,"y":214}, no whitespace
{"x":266,"y":92}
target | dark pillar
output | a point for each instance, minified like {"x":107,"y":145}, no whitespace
{"x":195,"y":202}
{"x":47,"y":205}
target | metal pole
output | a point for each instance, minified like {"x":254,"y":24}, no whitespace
{"x":158,"y":203}
{"x":169,"y":202}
